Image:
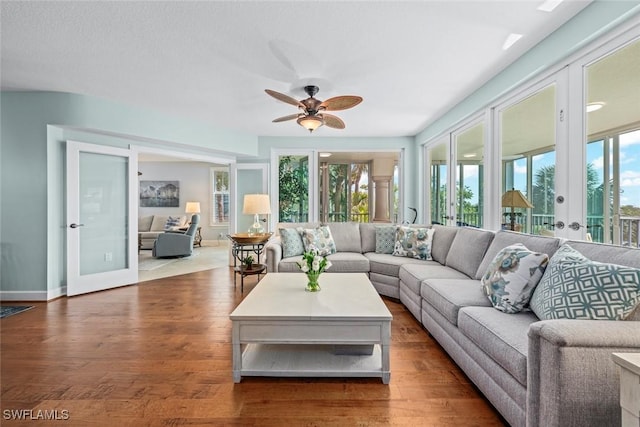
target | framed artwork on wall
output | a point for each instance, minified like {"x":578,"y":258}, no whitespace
{"x":159,"y":194}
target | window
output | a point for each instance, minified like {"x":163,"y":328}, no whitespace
{"x":219,"y":196}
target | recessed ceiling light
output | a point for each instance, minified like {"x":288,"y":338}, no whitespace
{"x":594,"y":106}
{"x":549,"y":5}
{"x":469,"y":155}
{"x":325,"y":154}
{"x":511,"y":39}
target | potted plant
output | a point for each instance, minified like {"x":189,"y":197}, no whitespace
{"x":247,"y":261}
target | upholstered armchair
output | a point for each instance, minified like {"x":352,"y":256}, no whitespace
{"x":176,"y":243}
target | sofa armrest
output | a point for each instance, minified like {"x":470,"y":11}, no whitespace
{"x":273,"y":251}
{"x":571,"y":378}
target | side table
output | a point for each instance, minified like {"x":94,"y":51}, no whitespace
{"x":197,"y":238}
{"x":245,"y":244}
{"x":629,"y":364}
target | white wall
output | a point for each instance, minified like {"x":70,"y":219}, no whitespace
{"x":194,"y":187}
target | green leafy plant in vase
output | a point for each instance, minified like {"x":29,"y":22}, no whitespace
{"x":247,"y":261}
{"x":313,"y":266}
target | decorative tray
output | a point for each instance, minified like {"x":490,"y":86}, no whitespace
{"x":247,"y":238}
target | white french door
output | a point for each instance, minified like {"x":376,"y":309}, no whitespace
{"x":101,"y":205}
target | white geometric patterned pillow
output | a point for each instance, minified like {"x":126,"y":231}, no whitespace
{"x":574,"y":287}
{"x":512,"y":276}
{"x":172,"y":223}
{"x":318,"y":240}
{"x":413,"y":242}
{"x":385,"y":239}
{"x":291,"y":239}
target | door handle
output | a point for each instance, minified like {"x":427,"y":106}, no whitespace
{"x":575,"y":225}
{"x":74,"y":225}
{"x":559,"y":225}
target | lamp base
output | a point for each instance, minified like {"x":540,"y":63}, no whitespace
{"x":256,"y":228}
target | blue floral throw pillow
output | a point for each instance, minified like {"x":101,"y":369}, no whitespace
{"x":291,"y":239}
{"x":413,"y":242}
{"x":512,"y":277}
{"x":574,"y":287}
{"x":319,"y":240}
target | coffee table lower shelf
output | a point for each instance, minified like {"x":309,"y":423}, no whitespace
{"x":311,"y":360}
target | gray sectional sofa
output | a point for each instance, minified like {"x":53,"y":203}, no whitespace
{"x":535,"y":373}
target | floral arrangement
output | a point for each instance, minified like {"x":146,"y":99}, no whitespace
{"x":313,"y":265}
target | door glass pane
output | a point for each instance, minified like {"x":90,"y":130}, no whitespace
{"x":469,"y":170}
{"x":359,"y":190}
{"x":528,"y":132}
{"x":543,"y":192}
{"x":613,"y":147}
{"x":104,"y":243}
{"x":293,"y":189}
{"x":438,"y":183}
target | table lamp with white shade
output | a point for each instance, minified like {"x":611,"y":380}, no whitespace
{"x":192,"y":208}
{"x":256,"y":204}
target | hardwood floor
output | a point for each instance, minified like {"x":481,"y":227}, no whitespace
{"x":159,"y":354}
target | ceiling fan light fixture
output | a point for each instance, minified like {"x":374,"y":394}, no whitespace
{"x":310,"y":123}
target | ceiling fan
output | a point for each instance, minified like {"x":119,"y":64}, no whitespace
{"x":312,"y":115}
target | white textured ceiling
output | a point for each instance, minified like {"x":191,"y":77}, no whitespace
{"x":212,"y":60}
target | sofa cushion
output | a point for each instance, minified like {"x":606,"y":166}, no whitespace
{"x":413,"y":242}
{"x":318,"y":240}
{"x":385,"y":239}
{"x":447,"y":296}
{"x":608,"y":253}
{"x":348,"y":262}
{"x":442,"y":239}
{"x":502,"y":239}
{"x":290,"y":265}
{"x":574,"y":287}
{"x":144,"y":223}
{"x":388,"y":265}
{"x":467,"y":250}
{"x":503,"y":337}
{"x":512,"y":277}
{"x":291,"y":239}
{"x":412,"y":275}
{"x":346,"y":236}
{"x":368,"y":237}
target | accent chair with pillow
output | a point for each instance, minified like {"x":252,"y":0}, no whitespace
{"x":173,"y":243}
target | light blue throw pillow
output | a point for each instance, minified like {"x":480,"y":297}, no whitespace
{"x":291,"y":239}
{"x":385,"y":239}
{"x":574,"y":287}
{"x":512,"y":277}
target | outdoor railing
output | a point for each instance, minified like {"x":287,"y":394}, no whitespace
{"x":630,"y":231}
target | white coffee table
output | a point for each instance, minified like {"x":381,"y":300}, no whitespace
{"x":344,"y":330}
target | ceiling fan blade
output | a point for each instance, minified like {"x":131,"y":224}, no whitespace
{"x":285,"y":118}
{"x":332,"y":121}
{"x":284,"y":98}
{"x":340,"y":103}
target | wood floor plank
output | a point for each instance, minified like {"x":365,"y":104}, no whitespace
{"x":159,"y":354}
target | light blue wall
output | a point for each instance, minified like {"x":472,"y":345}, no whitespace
{"x":34,"y":128}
